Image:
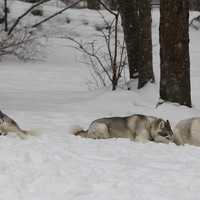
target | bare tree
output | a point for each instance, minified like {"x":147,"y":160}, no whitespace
{"x":130,"y":19}
{"x":195,"y":5}
{"x":112,"y":4}
{"x":111,"y":62}
{"x":24,"y":14}
{"x":40,"y":2}
{"x":174,"y":52}
{"x":56,"y":13}
{"x":136,"y":22}
{"x":23,"y":43}
{"x":5,"y":15}
{"x":145,"y":67}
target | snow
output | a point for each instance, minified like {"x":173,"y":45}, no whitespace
{"x":52,"y":95}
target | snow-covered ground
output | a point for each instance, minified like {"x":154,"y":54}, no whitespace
{"x":52,"y":95}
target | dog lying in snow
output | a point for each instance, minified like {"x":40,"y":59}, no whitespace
{"x":187,"y":132}
{"x":7,"y":124}
{"x":136,"y":127}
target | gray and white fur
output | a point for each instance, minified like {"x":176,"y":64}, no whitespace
{"x":137,"y":127}
{"x":187,"y":132}
{"x":7,"y":125}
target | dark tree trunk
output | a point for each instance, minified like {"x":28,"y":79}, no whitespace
{"x":112,"y":4}
{"x":5,"y":15}
{"x":93,"y":4}
{"x":174,"y":52}
{"x":136,"y":22}
{"x":195,"y":5}
{"x":145,"y":68}
{"x":129,"y":14}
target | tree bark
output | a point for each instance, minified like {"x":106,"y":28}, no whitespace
{"x":112,"y":4}
{"x":5,"y":15}
{"x":195,"y":5}
{"x":93,"y":4}
{"x":145,"y":68}
{"x":130,"y":22}
{"x":174,"y":52}
{"x":136,"y":22}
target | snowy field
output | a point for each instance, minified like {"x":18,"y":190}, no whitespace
{"x":52,"y":95}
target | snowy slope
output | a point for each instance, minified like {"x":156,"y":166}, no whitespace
{"x":52,"y":95}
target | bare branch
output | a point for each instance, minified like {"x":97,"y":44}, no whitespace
{"x":107,"y":8}
{"x":24,"y":14}
{"x":192,"y":22}
{"x":91,"y":54}
{"x":112,"y":61}
{"x":122,"y":61}
{"x":55,"y":14}
{"x":108,"y":36}
{"x":97,"y":73}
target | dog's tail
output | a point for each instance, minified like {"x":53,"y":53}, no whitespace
{"x":23,"y":134}
{"x":78,"y":131}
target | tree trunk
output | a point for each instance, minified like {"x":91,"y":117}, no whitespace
{"x":195,"y":5}
{"x":93,"y":4}
{"x":5,"y":15}
{"x":112,"y":4}
{"x":145,"y":68}
{"x":129,"y":15}
{"x":174,"y":52}
{"x":136,"y":22}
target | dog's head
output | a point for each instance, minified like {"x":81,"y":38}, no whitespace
{"x":162,"y":131}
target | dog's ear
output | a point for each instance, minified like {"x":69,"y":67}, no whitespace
{"x":161,"y":124}
{"x":168,"y":123}
{"x":169,"y":127}
{"x":1,"y":114}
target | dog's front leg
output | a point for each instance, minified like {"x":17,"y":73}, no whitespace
{"x":3,"y":134}
{"x":142,"y":136}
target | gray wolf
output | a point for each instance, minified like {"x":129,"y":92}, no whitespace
{"x":7,"y":124}
{"x":136,"y":127}
{"x":187,"y":132}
